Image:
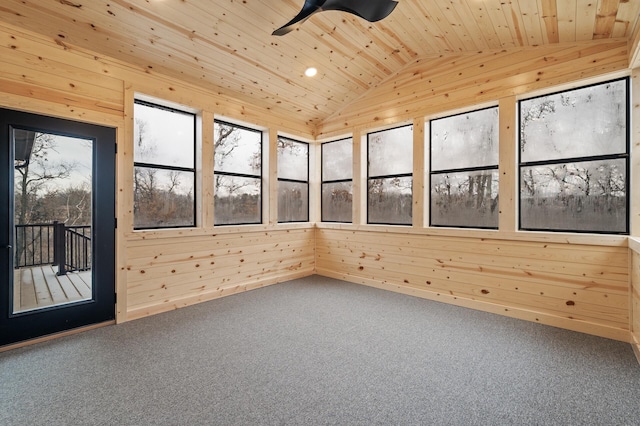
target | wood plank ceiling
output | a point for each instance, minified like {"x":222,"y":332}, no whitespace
{"x":226,"y":45}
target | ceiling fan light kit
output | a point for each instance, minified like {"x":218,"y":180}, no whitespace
{"x":370,"y":10}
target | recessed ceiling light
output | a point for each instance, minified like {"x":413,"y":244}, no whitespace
{"x":310,"y":72}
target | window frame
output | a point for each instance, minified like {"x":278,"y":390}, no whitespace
{"x":279,"y":179}
{"x":242,"y":175}
{"x":570,"y":160}
{"x":323,"y":182}
{"x":402,"y":175}
{"x":172,"y":168}
{"x":459,"y":169}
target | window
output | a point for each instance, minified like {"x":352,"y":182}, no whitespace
{"x":337,"y":181}
{"x":574,"y":160}
{"x":164,"y":167}
{"x":293,"y":181}
{"x":464,"y":170}
{"x":390,"y":176}
{"x":237,"y":174}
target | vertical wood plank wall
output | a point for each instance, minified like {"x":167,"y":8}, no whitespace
{"x":578,"y":284}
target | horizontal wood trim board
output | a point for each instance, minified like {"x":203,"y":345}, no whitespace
{"x":602,"y":330}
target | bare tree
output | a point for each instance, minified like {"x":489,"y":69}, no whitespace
{"x":33,"y":174}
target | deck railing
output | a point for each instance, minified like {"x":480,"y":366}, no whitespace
{"x":68,"y":247}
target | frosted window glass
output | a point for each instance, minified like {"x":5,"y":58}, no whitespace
{"x":584,"y":196}
{"x":337,"y":160}
{"x":390,"y":200}
{"x":337,"y":202}
{"x":465,"y":140}
{"x":293,"y":202}
{"x":391,"y":152}
{"x":293,"y":159}
{"x":578,"y":123}
{"x":468,"y":199}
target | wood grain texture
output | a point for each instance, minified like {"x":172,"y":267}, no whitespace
{"x":226,"y":46}
{"x":430,"y":86}
{"x":166,"y":273}
{"x":582,"y":287}
{"x":580,"y":282}
{"x":634,"y":248}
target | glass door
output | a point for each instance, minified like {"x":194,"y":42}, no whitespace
{"x":58,"y":229}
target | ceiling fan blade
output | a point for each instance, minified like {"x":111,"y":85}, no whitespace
{"x":309,"y":8}
{"x":371,"y":10}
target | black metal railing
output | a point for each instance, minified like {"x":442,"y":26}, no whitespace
{"x":68,"y":247}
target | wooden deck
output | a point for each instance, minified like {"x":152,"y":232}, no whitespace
{"x":39,"y":287}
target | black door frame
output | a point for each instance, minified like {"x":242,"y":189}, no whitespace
{"x":32,"y":324}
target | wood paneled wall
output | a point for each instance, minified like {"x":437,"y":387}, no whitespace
{"x":634,"y":246}
{"x":577,"y":286}
{"x":580,"y":285}
{"x":435,"y":85}
{"x":167,"y":273}
{"x":156,"y":270}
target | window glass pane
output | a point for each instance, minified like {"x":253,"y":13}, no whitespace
{"x":578,"y":123}
{"x":585,"y":196}
{"x":465,"y":140}
{"x":293,"y":160}
{"x":390,"y":200}
{"x":391,"y":152}
{"x":163,"y":137}
{"x":465,"y":199}
{"x":337,"y":160}
{"x":293,"y":202}
{"x":237,"y":200}
{"x":337,"y":202}
{"x":162,"y":198}
{"x":237,"y":150}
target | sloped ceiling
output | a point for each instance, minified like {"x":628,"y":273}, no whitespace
{"x":226,"y":45}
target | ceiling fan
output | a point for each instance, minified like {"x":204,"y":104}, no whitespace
{"x":371,"y":10}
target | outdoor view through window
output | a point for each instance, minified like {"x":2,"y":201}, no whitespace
{"x":238,"y":174}
{"x":390,"y":176}
{"x":293,"y":180}
{"x":464,"y":169}
{"x":337,"y":181}
{"x":574,"y":160}
{"x":52,"y":205}
{"x":164,"y":167}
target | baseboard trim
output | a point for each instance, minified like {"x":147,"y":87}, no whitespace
{"x":54,"y":336}
{"x":586,"y":327}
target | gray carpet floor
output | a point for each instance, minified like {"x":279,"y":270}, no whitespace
{"x":319,"y":351}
